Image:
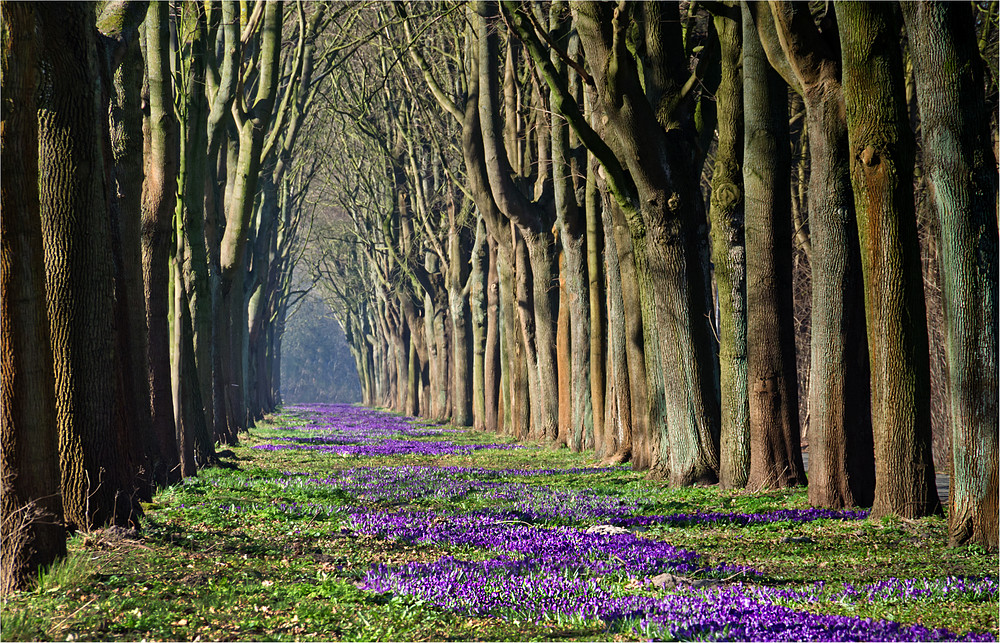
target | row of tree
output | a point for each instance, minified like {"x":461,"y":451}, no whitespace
{"x":151,"y":213}
{"x":575,"y":223}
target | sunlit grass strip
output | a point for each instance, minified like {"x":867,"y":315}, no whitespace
{"x":742,"y":519}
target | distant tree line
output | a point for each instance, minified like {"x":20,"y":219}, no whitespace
{"x":316,"y":362}
{"x":589,"y":224}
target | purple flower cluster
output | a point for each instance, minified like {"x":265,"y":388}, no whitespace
{"x":550,"y":549}
{"x":345,"y":430}
{"x":536,"y":571}
{"x":514,"y":588}
{"x":893,"y":590}
{"x":547,"y":503}
{"x":391,"y":448}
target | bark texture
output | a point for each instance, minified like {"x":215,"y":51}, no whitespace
{"x":161,"y":145}
{"x":841,"y":453}
{"x":727,"y":212}
{"x":96,"y":464}
{"x":881,"y":152}
{"x":962,"y":176}
{"x":31,"y":531}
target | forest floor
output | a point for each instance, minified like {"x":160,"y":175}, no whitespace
{"x":341,"y":523}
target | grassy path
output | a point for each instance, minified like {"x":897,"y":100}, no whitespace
{"x":340,"y":523}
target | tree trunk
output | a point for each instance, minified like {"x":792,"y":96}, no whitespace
{"x":459,"y":308}
{"x":962,"y":176}
{"x":537,"y":303}
{"x":478,"y":285}
{"x":841,"y":453}
{"x":775,"y":450}
{"x":881,"y":153}
{"x":598,"y":314}
{"x":159,"y":190}
{"x":122,"y":63}
{"x":669,"y":233}
{"x":618,"y":429}
{"x":239,"y":208}
{"x":574,"y":305}
{"x":32,"y":534}
{"x":726,"y":212}
{"x":97,"y":471}
{"x":564,"y":437}
{"x":192,"y":181}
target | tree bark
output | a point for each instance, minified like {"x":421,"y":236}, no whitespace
{"x":122,"y":67}
{"x":775,"y":451}
{"x":669,"y":232}
{"x":726,"y":211}
{"x":32,"y":534}
{"x":97,"y":474}
{"x":158,"y":200}
{"x":962,"y":176}
{"x":239,"y":207}
{"x":881,"y":152}
{"x":841,"y":452}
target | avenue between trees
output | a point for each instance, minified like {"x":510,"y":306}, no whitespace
{"x":690,"y":236}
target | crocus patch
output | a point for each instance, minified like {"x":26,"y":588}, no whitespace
{"x":538,"y":560}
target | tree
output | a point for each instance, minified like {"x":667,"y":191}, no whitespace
{"x":962,"y":175}
{"x":649,"y":116}
{"x":775,"y":452}
{"x":158,"y":201}
{"x":841,"y":452}
{"x":727,"y":212}
{"x":253,"y":117}
{"x":96,"y":461}
{"x":881,"y":156}
{"x":31,"y":531}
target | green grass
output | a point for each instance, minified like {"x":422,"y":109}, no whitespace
{"x":201,"y":571}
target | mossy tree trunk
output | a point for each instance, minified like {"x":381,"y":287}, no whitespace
{"x":648,"y":117}
{"x":962,"y":176}
{"x":726,"y":212}
{"x":95,"y":455}
{"x":881,"y":150}
{"x":162,"y":147}
{"x":841,"y":452}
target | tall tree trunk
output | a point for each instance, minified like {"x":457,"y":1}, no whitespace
{"x":575,"y":305}
{"x":459,"y":309}
{"x":962,"y":176}
{"x":159,"y":190}
{"x":618,"y":427}
{"x":478,"y":286}
{"x":775,"y":450}
{"x":598,"y":313}
{"x":841,"y":452}
{"x":537,"y":313}
{"x":491,"y":356}
{"x":669,"y":233}
{"x":192,"y":181}
{"x":881,"y":152}
{"x":32,"y":534}
{"x":96,"y":463}
{"x":254,"y":126}
{"x":726,"y":212}
{"x":122,"y":66}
